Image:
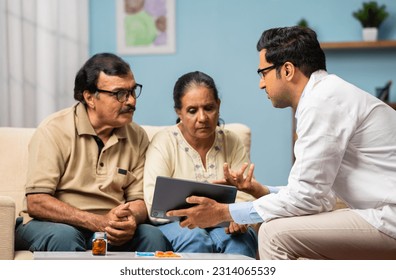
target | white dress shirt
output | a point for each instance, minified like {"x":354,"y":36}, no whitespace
{"x":346,"y":147}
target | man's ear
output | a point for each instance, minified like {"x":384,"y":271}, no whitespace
{"x":289,"y":69}
{"x":89,"y":99}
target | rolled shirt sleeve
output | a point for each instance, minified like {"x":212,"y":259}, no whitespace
{"x":244,"y":212}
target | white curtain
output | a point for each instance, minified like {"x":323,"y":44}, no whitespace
{"x":43,"y":43}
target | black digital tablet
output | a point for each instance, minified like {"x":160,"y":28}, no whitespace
{"x":171,"y":194}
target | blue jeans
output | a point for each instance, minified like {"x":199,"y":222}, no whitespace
{"x":210,"y":240}
{"x":47,"y":236}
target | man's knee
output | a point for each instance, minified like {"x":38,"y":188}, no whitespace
{"x":274,"y":237}
{"x":47,"y":236}
{"x":65,"y":238}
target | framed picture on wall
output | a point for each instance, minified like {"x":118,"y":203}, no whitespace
{"x":145,"y":26}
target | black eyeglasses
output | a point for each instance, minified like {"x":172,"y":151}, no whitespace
{"x":261,"y":72}
{"x":123,"y":94}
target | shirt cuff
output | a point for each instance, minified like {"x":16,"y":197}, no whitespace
{"x":244,"y":213}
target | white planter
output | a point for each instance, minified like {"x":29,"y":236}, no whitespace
{"x":370,"y":34}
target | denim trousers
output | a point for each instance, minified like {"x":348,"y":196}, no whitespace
{"x":39,"y":235}
{"x":210,"y":240}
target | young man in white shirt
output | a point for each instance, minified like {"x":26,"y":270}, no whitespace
{"x":346,"y":148}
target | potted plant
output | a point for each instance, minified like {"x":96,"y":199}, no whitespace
{"x":371,"y":16}
{"x":303,"y":22}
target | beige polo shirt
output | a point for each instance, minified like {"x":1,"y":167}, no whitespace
{"x":64,"y":161}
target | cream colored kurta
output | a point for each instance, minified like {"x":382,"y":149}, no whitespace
{"x":170,"y":155}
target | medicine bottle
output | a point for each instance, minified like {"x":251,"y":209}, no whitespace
{"x":99,"y":243}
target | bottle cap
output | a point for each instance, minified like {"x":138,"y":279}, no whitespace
{"x":100,"y":235}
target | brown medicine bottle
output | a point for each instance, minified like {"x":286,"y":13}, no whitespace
{"x":99,"y":244}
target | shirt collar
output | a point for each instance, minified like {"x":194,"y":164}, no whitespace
{"x":316,"y":77}
{"x":84,"y":125}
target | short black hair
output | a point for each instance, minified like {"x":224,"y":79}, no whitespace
{"x":296,"y":44}
{"x":87,"y":77}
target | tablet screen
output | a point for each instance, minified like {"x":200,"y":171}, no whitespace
{"x":171,"y":194}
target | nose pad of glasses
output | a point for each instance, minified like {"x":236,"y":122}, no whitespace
{"x":128,"y":96}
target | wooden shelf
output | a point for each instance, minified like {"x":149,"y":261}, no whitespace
{"x":358,"y":45}
{"x":393,"y":105}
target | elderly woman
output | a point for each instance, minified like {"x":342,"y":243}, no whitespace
{"x":196,"y":148}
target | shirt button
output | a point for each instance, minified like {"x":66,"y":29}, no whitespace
{"x":101,"y":164}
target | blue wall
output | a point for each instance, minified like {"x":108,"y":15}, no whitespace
{"x":219,"y":37}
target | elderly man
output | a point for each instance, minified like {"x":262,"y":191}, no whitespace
{"x":85,"y":171}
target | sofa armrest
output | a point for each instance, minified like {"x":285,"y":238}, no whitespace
{"x":7,"y":227}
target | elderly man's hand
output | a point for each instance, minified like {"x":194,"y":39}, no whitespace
{"x":121,"y":226}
